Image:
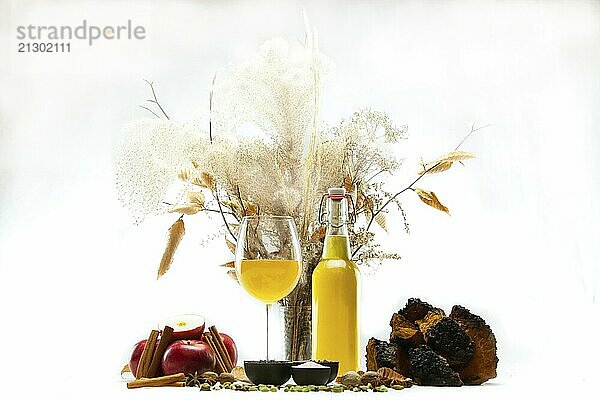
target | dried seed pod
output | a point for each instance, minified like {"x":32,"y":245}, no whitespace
{"x":209,"y":377}
{"x":226,"y":377}
{"x":369,"y":377}
{"x":350,"y":378}
{"x":240,"y":374}
{"x":390,"y":377}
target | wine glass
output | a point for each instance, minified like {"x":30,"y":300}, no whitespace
{"x":268,"y":260}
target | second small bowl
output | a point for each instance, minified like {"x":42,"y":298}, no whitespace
{"x":333,"y":367}
{"x":268,"y":372}
{"x":311,"y":375}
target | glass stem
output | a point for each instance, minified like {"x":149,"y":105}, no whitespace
{"x":267,"y":306}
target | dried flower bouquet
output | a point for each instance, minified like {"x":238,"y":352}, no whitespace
{"x":264,"y":150}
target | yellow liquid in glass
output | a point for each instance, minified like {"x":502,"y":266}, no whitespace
{"x":269,"y":280}
{"x":335,"y":306}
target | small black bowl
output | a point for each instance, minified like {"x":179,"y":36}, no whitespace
{"x":268,"y":372}
{"x":333,"y":367}
{"x":311,"y":376}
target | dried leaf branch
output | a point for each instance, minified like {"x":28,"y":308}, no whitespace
{"x":429,"y":197}
{"x":444,"y":163}
{"x":154,"y":100}
{"x":195,"y":203}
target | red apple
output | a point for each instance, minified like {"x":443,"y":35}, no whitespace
{"x":185,"y":326}
{"x":136,"y":353}
{"x":188,"y":356}
{"x":229,"y":346}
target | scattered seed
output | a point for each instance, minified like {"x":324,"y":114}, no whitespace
{"x":369,"y":377}
{"x":350,"y":379}
{"x":226,"y":377}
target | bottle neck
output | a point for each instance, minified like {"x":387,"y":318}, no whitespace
{"x":336,"y":247}
{"x":337,"y":242}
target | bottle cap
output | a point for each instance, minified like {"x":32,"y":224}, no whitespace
{"x":336,"y":193}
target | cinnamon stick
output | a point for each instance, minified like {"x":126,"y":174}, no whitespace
{"x":168,"y":380}
{"x":219,"y":364}
{"x":221,"y":347}
{"x":166,"y":338}
{"x":146,"y":357}
{"x":147,"y":382}
{"x":176,"y":384}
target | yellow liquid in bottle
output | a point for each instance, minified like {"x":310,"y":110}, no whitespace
{"x":269,"y":280}
{"x":335,"y":306}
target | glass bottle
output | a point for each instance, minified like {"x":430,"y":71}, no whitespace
{"x":335,"y":291}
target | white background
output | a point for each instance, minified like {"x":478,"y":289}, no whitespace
{"x":77,"y":283}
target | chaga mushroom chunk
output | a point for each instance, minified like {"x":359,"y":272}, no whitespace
{"x":380,"y":354}
{"x":430,"y":369}
{"x":448,"y":339}
{"x":430,"y":319}
{"x":482,"y":365}
{"x":416,"y":309}
{"x":404,"y":332}
{"x":402,"y":361}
